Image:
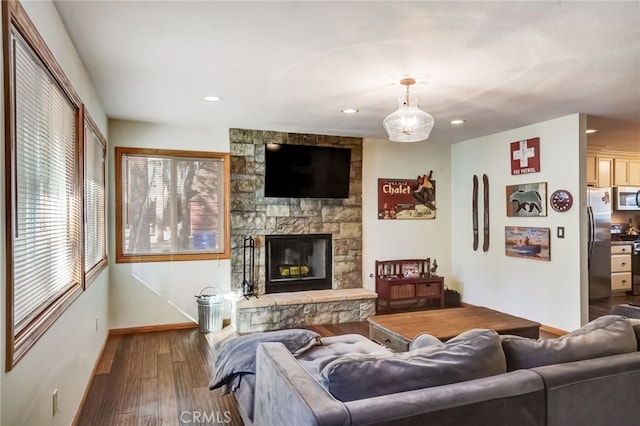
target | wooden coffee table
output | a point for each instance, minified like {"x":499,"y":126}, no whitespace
{"x":397,"y":330}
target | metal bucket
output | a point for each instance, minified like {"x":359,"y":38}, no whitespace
{"x":209,"y":311}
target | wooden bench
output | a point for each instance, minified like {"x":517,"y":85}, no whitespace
{"x":406,"y":279}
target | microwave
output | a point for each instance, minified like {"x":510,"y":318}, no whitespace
{"x":626,"y":198}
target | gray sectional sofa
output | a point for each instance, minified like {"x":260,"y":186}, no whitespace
{"x":588,"y":377}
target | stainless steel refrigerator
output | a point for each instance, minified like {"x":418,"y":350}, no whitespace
{"x":599,"y":242}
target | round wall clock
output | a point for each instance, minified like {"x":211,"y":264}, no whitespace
{"x":561,"y":200}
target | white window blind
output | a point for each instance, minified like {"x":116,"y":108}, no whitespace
{"x":171,"y":204}
{"x":94,"y":193}
{"x":46,"y":210}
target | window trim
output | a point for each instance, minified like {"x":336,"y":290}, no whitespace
{"x":15,"y":20}
{"x":90,"y":124}
{"x":120,"y":152}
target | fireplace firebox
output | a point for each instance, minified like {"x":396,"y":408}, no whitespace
{"x":298,"y":262}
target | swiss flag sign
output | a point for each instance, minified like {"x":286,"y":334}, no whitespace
{"x":525,"y":156}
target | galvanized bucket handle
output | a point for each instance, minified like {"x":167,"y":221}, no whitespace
{"x":219,"y":293}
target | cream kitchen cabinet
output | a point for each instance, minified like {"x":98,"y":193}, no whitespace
{"x":621,"y":278}
{"x":605,"y":169}
{"x":605,"y":172}
{"x":620,"y":171}
{"x":592,"y":169}
{"x":634,"y":172}
{"x":626,"y":172}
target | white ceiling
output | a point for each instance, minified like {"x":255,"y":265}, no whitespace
{"x":292,"y":66}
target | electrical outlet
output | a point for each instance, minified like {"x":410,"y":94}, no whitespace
{"x":55,"y":402}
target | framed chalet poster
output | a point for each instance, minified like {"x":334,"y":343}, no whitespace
{"x":407,"y":198}
{"x":525,"y":156}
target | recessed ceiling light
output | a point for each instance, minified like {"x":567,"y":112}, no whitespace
{"x":458,"y":121}
{"x":212,"y":98}
{"x":349,"y":111}
{"x":589,"y":131}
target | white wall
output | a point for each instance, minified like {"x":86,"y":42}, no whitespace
{"x":555,"y":292}
{"x":405,"y":239}
{"x":160,"y":292}
{"x":65,"y":355}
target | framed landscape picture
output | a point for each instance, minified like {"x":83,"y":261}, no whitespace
{"x":527,"y":242}
{"x":526,"y":200}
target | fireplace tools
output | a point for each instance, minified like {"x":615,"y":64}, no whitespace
{"x":248,"y":267}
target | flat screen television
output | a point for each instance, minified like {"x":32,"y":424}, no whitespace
{"x":306,"y":171}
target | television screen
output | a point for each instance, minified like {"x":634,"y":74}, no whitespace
{"x":306,"y":171}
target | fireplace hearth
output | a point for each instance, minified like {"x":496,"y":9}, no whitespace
{"x":298,"y":262}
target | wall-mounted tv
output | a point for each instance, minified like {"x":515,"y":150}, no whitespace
{"x":306,"y":171}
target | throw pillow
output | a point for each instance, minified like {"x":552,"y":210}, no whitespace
{"x":471,"y":355}
{"x":237,"y":356}
{"x":604,"y":336}
{"x":423,"y":340}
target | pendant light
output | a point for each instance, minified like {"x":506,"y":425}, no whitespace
{"x":408,"y":123}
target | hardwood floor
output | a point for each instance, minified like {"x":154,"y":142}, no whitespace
{"x":157,"y":378}
{"x":162,"y":377}
{"x":598,"y":309}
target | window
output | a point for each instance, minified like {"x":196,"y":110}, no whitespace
{"x":44,"y":266}
{"x":171,"y":205}
{"x":95,"y":250}
{"x":48,"y":257}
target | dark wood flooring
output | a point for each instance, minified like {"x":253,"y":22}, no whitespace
{"x":601,"y":308}
{"x":157,"y":378}
{"x":162,"y":377}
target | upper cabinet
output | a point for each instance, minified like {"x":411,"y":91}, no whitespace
{"x":592,"y":169}
{"x":626,"y":172}
{"x":615,"y":169}
{"x":605,"y":171}
{"x":634,"y":172}
{"x":620,"y":171}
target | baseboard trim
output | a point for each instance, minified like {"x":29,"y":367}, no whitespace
{"x":552,"y":330}
{"x":151,"y":328}
{"x":74,"y":421}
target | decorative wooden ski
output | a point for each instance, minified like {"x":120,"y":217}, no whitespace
{"x":474,"y":211}
{"x":485,"y":186}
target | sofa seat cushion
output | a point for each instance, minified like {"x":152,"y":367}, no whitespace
{"x":471,"y":355}
{"x":604,"y":336}
{"x":333,"y":347}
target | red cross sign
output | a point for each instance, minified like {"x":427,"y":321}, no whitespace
{"x":525,"y":156}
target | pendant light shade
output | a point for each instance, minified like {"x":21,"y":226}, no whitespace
{"x":408,"y":123}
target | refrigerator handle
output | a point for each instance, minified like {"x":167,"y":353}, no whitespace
{"x":591,"y":230}
{"x":638,"y":198}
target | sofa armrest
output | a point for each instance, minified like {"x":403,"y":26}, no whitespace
{"x":600,"y":391}
{"x":514,"y":398}
{"x":287,"y":395}
{"x":626,"y":310}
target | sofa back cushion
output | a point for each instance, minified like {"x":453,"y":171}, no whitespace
{"x":471,"y":355}
{"x":604,"y":336}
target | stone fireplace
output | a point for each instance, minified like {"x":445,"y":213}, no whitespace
{"x":252,"y":214}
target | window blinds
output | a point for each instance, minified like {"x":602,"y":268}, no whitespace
{"x":46,"y":216}
{"x":94,"y":188}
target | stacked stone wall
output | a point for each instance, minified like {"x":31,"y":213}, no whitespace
{"x":252,"y":214}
